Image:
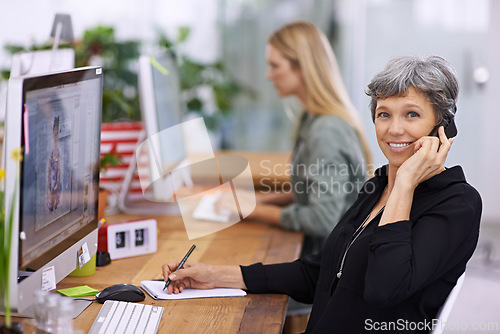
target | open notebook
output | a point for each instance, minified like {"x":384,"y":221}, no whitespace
{"x":155,"y":290}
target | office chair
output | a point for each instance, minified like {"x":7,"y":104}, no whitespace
{"x":445,"y":310}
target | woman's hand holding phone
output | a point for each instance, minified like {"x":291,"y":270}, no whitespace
{"x":428,"y":160}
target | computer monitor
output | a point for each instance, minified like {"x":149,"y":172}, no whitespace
{"x":56,"y":119}
{"x":159,"y":91}
{"x":42,"y":61}
{"x":37,"y":62}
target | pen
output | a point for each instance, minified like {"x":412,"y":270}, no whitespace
{"x":167,"y":283}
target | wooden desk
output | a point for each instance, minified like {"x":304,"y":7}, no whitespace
{"x":268,"y":168}
{"x":243,"y":243}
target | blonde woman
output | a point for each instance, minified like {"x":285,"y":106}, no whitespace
{"x":330,"y":157}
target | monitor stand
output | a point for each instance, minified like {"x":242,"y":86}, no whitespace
{"x":79,"y":305}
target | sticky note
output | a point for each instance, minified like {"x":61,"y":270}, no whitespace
{"x":78,"y":291}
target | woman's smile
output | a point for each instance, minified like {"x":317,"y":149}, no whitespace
{"x":397,"y":147}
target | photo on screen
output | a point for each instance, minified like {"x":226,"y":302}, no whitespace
{"x":59,"y":166}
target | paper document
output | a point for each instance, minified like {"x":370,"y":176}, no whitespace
{"x":155,"y":290}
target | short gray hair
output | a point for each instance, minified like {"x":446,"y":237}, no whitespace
{"x":433,"y":76}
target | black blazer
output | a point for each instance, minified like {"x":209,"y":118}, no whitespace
{"x":395,"y":277}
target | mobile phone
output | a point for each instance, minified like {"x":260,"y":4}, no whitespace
{"x":450,"y":129}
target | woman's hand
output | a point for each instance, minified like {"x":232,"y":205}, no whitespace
{"x":428,"y":160}
{"x":193,"y":275}
{"x":254,"y":209}
{"x":283,"y":198}
{"x":226,"y":203}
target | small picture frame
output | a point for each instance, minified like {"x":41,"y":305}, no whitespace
{"x":133,"y":238}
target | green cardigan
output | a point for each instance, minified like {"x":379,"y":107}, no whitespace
{"x":328,"y":170}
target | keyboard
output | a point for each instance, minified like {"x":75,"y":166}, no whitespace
{"x":205,"y":209}
{"x":123,"y":317}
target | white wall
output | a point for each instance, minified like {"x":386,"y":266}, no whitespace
{"x":489,"y":166}
{"x":466,"y":32}
{"x":25,"y":21}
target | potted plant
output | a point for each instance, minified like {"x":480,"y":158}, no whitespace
{"x":109,"y":159}
{"x":207,"y":89}
{"x":6,"y":227}
{"x":99,"y":46}
{"x":120,"y":106}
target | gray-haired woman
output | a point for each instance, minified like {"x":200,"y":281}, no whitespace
{"x":395,"y":255}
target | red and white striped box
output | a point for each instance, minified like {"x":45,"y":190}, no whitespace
{"x":120,"y":137}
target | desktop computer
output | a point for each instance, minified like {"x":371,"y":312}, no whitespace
{"x":161,"y":147}
{"x":173,"y":152}
{"x":55,"y":118}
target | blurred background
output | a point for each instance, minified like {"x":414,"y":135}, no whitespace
{"x":225,"y":41}
{"x":220,"y":44}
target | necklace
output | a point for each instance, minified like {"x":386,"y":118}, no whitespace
{"x":355,"y":235}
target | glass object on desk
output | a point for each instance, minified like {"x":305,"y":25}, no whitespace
{"x":40,"y":310}
{"x":64,"y":316}
{"x":53,"y":313}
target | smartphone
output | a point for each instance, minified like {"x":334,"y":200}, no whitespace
{"x":450,"y":129}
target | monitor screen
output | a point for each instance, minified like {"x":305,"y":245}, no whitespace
{"x":159,"y":89}
{"x":56,"y":119}
{"x":59,"y":189}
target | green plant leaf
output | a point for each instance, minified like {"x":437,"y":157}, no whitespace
{"x":182,"y":34}
{"x":110,"y":159}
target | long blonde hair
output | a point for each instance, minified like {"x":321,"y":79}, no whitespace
{"x":308,"y":49}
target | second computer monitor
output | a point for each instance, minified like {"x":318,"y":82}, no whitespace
{"x":159,"y":89}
